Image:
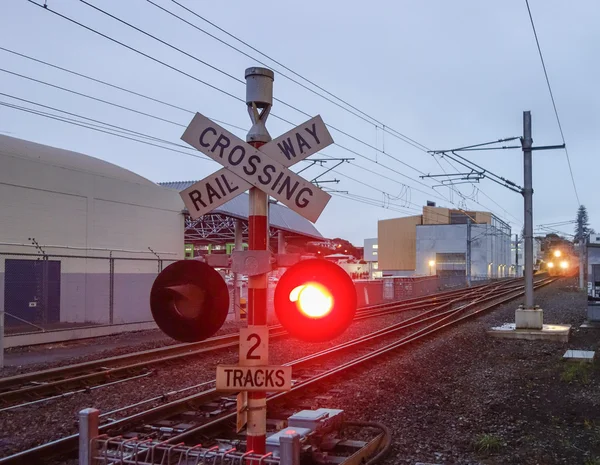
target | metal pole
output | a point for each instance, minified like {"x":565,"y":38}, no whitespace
{"x":528,"y":196}
{"x":259,"y":96}
{"x":236,"y":283}
{"x":88,"y":430}
{"x":469,"y":251}
{"x":516,"y":255}
{"x":2,"y":337}
{"x":582,"y":242}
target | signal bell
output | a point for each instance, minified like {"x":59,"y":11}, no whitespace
{"x":189,"y":301}
{"x":315,"y":300}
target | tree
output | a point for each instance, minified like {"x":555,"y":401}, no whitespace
{"x":582,"y":224}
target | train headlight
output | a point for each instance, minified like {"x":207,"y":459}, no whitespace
{"x":550,"y":265}
{"x":557,"y":253}
{"x":564,"y":265}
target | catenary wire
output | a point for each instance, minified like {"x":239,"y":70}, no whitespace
{"x":242,"y":82}
{"x":562,"y":135}
{"x":89,"y":126}
{"x":108,"y":84}
{"x":209,"y":85}
{"x":110,"y":132}
{"x":397,"y":134}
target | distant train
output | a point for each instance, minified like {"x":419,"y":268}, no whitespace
{"x":561,"y":262}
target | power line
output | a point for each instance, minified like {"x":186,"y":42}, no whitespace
{"x":562,"y":135}
{"x":122,"y":134}
{"x":242,"y":82}
{"x":98,"y":129}
{"x":108,"y":84}
{"x":394,"y":132}
{"x":107,"y":102}
{"x":227,"y":93}
{"x":171,"y":67}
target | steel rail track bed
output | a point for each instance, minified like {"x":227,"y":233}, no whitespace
{"x":179,"y":420}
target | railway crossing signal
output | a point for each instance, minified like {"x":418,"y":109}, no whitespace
{"x":189,"y":301}
{"x":315,"y":300}
{"x":265,"y":168}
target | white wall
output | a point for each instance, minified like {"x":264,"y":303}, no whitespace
{"x":487,"y":246}
{"x":63,"y":199}
{"x":370,"y":250}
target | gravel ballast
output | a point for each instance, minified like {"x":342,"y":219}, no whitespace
{"x":467,"y":398}
{"x":444,"y":398}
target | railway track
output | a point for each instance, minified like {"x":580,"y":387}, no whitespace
{"x":55,"y":383}
{"x":195,"y":415}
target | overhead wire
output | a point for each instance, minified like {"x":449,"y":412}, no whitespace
{"x":383,"y":126}
{"x":221,"y":90}
{"x":243,"y":82}
{"x":128,"y":134}
{"x":562,"y":135}
{"x":165,"y":103}
{"x":114,"y":86}
{"x":98,"y":129}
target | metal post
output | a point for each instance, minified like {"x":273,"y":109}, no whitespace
{"x":289,"y":445}
{"x":88,"y":430}
{"x":582,"y":242}
{"x":236,"y":282}
{"x":280,"y":243}
{"x":469,"y":241}
{"x":516,"y":255}
{"x":2,"y":337}
{"x":528,"y":196}
{"x":259,"y":96}
{"x":111,"y":289}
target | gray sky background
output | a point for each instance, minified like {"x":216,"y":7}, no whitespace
{"x":446,"y":74}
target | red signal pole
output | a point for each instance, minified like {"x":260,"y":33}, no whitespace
{"x":259,"y":98}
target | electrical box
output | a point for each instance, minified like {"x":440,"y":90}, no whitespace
{"x":272,"y":441}
{"x":316,"y":420}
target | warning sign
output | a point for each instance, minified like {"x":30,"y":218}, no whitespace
{"x":266,"y":378}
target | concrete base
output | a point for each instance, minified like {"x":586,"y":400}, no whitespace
{"x":558,"y":333}
{"x":579,"y":356}
{"x":593,"y":313}
{"x":591,"y":324}
{"x":69,"y":334}
{"x":529,"y":318}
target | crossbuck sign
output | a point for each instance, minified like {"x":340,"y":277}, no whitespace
{"x":265,"y":168}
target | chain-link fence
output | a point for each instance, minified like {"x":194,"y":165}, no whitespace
{"x":42,"y":292}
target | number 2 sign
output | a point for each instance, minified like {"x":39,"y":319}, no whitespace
{"x":253,"y":346}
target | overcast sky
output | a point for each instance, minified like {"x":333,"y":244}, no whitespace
{"x":446,"y":74}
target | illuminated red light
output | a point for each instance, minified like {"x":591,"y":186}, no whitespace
{"x":315,"y":300}
{"x":312,"y":299}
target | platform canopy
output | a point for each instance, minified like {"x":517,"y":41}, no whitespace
{"x":218,"y":226}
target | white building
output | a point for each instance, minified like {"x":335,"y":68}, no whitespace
{"x":446,"y":243}
{"x":370,"y":253}
{"x":444,"y":249}
{"x":94,"y":223}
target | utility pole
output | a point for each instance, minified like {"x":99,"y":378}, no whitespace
{"x":516,"y":255}
{"x":528,"y":196}
{"x":469,"y":251}
{"x":582,"y":255}
{"x":528,"y":316}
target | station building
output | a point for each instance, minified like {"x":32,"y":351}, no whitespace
{"x":442,"y":242}
{"x":82,"y":240}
